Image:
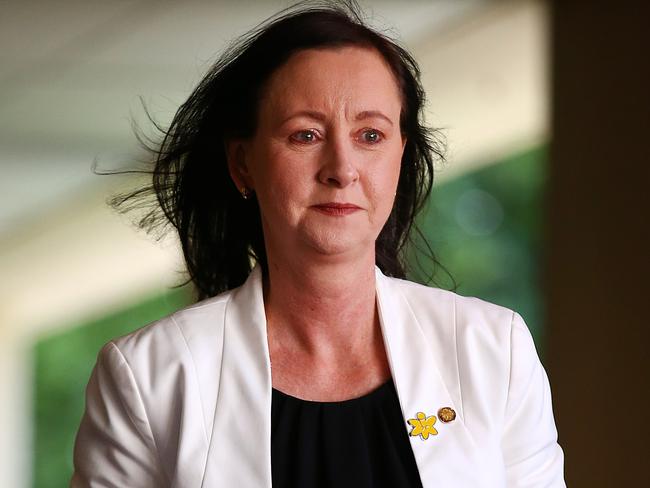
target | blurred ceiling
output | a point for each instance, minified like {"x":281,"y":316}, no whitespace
{"x":72,"y":72}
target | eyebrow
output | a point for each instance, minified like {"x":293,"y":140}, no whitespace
{"x":312,"y":114}
{"x":305,"y":113}
{"x":373,"y":114}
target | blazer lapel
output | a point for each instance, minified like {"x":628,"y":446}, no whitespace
{"x":448,"y":457}
{"x":239,"y":452}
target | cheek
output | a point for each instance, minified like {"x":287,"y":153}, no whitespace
{"x":384,"y":182}
{"x":280,"y":179}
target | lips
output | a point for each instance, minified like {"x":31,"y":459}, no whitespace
{"x":335,"y":208}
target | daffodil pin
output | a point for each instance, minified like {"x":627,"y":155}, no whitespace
{"x":422,"y":426}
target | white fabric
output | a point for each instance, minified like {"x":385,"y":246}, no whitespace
{"x":186,"y":401}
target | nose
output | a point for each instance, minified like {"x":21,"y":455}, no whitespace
{"x":338,"y":166}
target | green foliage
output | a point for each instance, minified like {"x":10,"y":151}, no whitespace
{"x":63,"y":363}
{"x":485,"y":228}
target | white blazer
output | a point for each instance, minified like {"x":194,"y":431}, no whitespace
{"x":186,"y":401}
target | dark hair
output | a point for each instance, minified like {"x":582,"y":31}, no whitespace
{"x":219,"y":231}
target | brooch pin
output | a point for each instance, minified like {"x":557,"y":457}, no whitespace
{"x":446,"y":414}
{"x":423,"y":426}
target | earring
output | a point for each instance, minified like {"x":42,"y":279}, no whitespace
{"x":245,"y":193}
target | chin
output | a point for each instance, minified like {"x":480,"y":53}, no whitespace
{"x":338,"y":243}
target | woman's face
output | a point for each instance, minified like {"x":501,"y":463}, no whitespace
{"x":325,"y":159}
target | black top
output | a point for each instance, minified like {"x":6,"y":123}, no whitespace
{"x":362,"y":442}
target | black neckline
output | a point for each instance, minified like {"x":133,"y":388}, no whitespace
{"x":371,"y":394}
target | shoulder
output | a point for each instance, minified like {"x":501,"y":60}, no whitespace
{"x":172,"y":354}
{"x":174,"y":361}
{"x":469,"y":315}
{"x":485,"y":348}
{"x":476,"y":335}
{"x":172,"y":335}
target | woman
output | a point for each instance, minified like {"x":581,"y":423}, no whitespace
{"x":303,"y":151}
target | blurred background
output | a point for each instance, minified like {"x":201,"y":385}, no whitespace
{"x":513,"y":218}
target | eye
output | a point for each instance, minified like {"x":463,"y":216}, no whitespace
{"x":371,"y":136}
{"x":304,"y":136}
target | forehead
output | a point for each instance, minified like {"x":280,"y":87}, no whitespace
{"x":322,"y":78}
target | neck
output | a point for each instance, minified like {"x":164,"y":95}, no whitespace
{"x":324,"y":308}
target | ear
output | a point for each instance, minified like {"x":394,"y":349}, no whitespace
{"x":236,"y":153}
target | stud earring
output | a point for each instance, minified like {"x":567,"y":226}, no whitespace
{"x":245,"y":193}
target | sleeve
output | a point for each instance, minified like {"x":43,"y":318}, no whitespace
{"x":114,"y":446}
{"x":532,"y":456}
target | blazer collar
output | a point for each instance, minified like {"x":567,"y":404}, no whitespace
{"x":239,"y":452}
{"x":419,"y":347}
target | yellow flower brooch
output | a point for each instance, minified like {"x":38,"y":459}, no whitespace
{"x":423,"y":426}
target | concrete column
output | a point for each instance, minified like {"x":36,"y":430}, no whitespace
{"x":598,"y":242}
